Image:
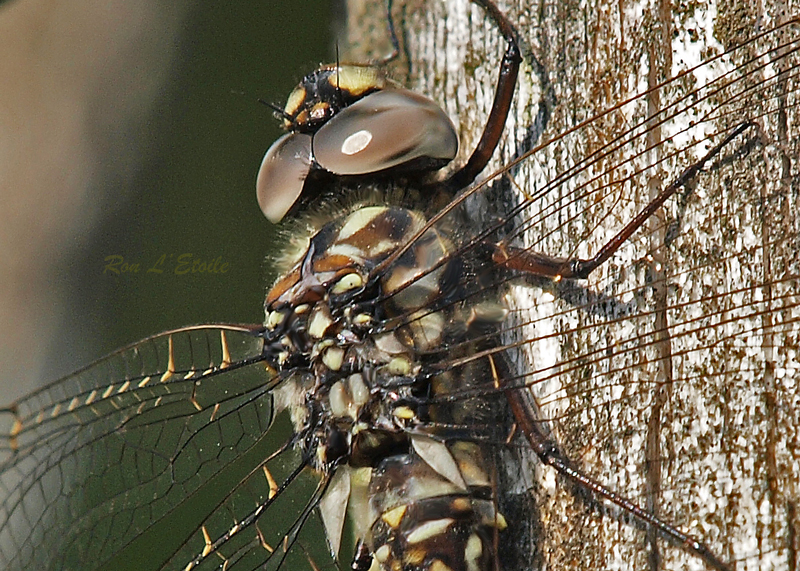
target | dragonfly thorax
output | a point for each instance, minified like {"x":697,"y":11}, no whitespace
{"x":346,"y":339}
{"x":356,"y":326}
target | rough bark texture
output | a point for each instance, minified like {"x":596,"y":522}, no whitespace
{"x":671,"y":376}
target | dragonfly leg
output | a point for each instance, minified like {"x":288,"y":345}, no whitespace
{"x":504,"y":93}
{"x":527,"y":417}
{"x":575,"y":268}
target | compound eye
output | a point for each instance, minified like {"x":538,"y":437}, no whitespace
{"x":383,"y":130}
{"x":282,"y":175}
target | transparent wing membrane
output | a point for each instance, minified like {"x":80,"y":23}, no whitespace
{"x":669,"y":375}
{"x":96,"y":459}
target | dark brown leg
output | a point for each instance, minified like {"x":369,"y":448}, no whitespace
{"x":390,"y":57}
{"x":558,"y":268}
{"x":506,"y":82}
{"x":526,"y":413}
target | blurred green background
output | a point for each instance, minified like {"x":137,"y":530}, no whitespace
{"x":168,"y":173}
{"x":133,"y":128}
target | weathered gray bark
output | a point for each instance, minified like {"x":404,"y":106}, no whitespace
{"x":679,"y":388}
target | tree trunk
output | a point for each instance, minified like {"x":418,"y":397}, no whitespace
{"x":671,"y":374}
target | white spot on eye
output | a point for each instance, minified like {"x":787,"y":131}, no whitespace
{"x":356,"y":142}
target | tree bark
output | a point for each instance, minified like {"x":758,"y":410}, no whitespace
{"x":671,"y":374}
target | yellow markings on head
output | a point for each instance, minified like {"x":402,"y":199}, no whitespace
{"x":429,"y":529}
{"x":356,"y":79}
{"x":320,"y":110}
{"x":394,"y":516}
{"x":295,"y":101}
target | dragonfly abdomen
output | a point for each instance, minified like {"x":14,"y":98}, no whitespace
{"x":420,"y":527}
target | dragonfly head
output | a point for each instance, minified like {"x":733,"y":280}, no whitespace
{"x":349,"y":122}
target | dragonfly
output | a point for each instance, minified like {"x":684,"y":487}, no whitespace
{"x":165,"y":453}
